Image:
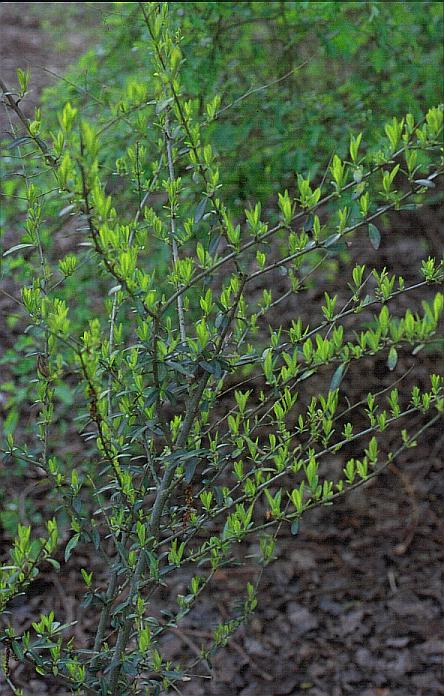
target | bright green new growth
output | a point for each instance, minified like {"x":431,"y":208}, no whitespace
{"x":171,"y":480}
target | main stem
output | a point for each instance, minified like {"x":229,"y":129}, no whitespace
{"x":162,"y":496}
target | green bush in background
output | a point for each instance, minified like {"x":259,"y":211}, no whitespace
{"x":312,"y":71}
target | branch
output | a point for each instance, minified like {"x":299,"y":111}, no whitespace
{"x":173,"y":232}
{"x":14,"y":105}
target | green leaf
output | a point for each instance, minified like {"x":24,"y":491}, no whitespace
{"x":17,"y":650}
{"x":173,"y":675}
{"x":114,"y":289}
{"x":190,"y":468}
{"x":295,"y":525}
{"x":67,"y":209}
{"x":374,"y":236}
{"x":392,"y":358}
{"x":16,"y":248}
{"x":332,"y":240}
{"x":71,"y":545}
{"x":214,"y":368}
{"x":425,"y":182}
{"x":337,"y":377}
{"x":150,"y":397}
{"x":18,"y":141}
{"x":95,"y":537}
{"x":55,"y":564}
{"x":200,"y":210}
{"x":306,"y":374}
{"x":214,"y":243}
{"x":178,"y":367}
{"x":409,"y":206}
{"x":337,"y":247}
{"x":162,"y":105}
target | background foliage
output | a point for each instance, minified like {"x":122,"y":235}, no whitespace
{"x":361,"y":64}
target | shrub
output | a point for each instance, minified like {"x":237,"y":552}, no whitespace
{"x":204,"y":419}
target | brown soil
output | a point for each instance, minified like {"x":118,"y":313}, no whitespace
{"x":25,"y":44}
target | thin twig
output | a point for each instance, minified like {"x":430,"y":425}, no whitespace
{"x":173,"y":241}
{"x":254,"y":90}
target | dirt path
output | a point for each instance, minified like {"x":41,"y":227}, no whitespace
{"x":42,"y":37}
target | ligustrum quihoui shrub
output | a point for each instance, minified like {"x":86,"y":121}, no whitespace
{"x":188,"y":394}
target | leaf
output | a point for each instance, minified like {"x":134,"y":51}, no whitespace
{"x":55,"y":564}
{"x":150,"y":397}
{"x":17,"y":649}
{"x":295,"y":525}
{"x":392,"y":358}
{"x":425,"y":182}
{"x":87,"y":600}
{"x":374,"y":235}
{"x":129,"y":668}
{"x":16,"y":248}
{"x":219,"y":495}
{"x":67,"y":209}
{"x":247,"y":359}
{"x":337,"y":377}
{"x":306,"y":375}
{"x":70,"y":546}
{"x":332,"y":239}
{"x":18,"y":141}
{"x":114,"y":289}
{"x":173,"y":675}
{"x":178,"y":367}
{"x":221,"y":321}
{"x":214,"y":368}
{"x":190,"y":468}
{"x":162,"y":105}
{"x":337,"y":247}
{"x":410,"y":206}
{"x":200,"y":210}
{"x":95,"y":537}
{"x":214,"y":243}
